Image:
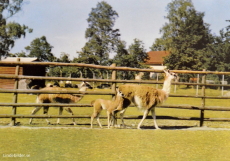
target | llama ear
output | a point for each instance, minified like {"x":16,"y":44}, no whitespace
{"x":166,"y":70}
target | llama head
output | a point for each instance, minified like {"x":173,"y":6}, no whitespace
{"x":119,"y":93}
{"x":85,"y":85}
{"x":170,"y":75}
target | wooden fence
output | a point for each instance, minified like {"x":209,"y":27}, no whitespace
{"x":114,"y":81}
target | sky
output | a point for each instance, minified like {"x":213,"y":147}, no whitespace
{"x":64,"y":22}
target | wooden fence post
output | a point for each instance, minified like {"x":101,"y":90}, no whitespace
{"x":197,"y":87}
{"x":222,"y":88}
{"x":114,"y":77}
{"x":15,"y":96}
{"x":203,"y":100}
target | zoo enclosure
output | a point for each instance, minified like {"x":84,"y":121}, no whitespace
{"x":114,"y":81}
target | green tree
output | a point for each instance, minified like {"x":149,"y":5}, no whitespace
{"x":218,"y":52}
{"x":64,"y":58}
{"x":102,"y":38}
{"x":11,"y":31}
{"x":63,"y":71}
{"x":134,"y":57}
{"x":185,"y":35}
{"x":40,"y":49}
{"x":19,"y":54}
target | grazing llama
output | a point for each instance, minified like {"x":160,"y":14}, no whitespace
{"x":146,"y":98}
{"x":109,"y":105}
{"x":59,"y":98}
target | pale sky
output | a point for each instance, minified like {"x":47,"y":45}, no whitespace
{"x":64,"y":23}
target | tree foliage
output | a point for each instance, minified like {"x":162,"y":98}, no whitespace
{"x":102,"y":38}
{"x":219,"y":52}
{"x":19,"y":54}
{"x":63,"y":71}
{"x":11,"y":31}
{"x":185,"y":35}
{"x":40,"y":49}
{"x":135,"y":56}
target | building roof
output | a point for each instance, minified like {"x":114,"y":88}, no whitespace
{"x":22,"y":59}
{"x":156,"y":57}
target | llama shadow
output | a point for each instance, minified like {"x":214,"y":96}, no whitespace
{"x":87,"y":124}
{"x":167,"y":127}
{"x":176,"y":127}
{"x":70,"y":124}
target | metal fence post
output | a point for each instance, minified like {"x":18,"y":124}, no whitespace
{"x":15,"y":96}
{"x":203,"y":100}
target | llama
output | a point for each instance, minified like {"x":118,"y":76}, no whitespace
{"x":59,"y":98}
{"x":109,"y":105}
{"x":146,"y":98}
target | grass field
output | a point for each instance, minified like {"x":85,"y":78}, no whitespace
{"x":115,"y":144}
{"x":178,"y":139}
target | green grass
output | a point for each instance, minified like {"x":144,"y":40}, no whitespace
{"x":115,"y":144}
{"x":67,"y":142}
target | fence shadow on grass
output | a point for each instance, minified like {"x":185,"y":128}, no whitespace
{"x":167,"y":127}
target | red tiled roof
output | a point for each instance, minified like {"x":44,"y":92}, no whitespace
{"x":156,"y":57}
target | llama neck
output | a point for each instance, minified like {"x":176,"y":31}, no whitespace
{"x":118,"y":99}
{"x":117,"y":103}
{"x":83,"y":89}
{"x":77,"y":98}
{"x":167,"y":86}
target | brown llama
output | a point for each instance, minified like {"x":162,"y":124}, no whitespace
{"x":109,"y":105}
{"x":59,"y":98}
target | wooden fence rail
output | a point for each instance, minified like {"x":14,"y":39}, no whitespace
{"x":110,"y":67}
{"x":202,"y":108}
{"x":108,"y":80}
{"x":188,"y":107}
{"x":98,"y":93}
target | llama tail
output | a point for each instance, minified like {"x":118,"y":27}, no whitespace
{"x":92,"y":103}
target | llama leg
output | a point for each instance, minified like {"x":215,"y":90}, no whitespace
{"x":92,"y":117}
{"x":91,"y":122}
{"x":108,"y":116}
{"x":96,"y":113}
{"x":154,"y":117}
{"x":35,"y":110}
{"x":122,"y":117}
{"x":98,"y":121}
{"x":71,"y":112}
{"x":146,"y":112}
{"x":60,"y":113}
{"x":113,"y":118}
{"x":45,"y":111}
